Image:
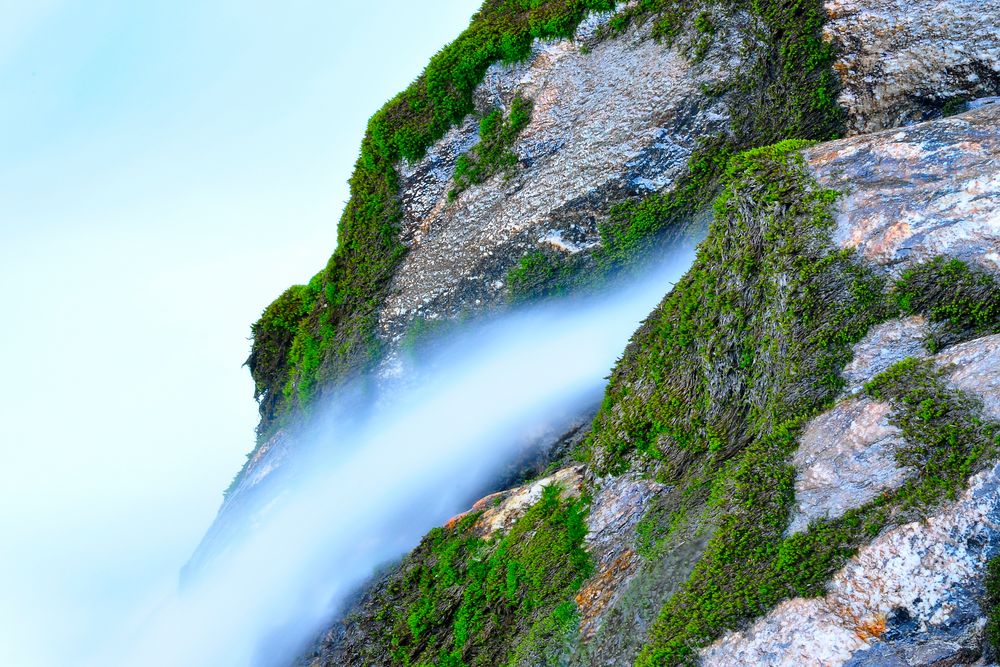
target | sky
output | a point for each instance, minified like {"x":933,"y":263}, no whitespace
{"x":167,"y":168}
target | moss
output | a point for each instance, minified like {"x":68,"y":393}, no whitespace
{"x":991,"y":604}
{"x":335,"y":334}
{"x":784,"y":87}
{"x":954,"y":105}
{"x":749,"y":566}
{"x":946,"y":437}
{"x":493,"y":154}
{"x":546,"y":273}
{"x":964,"y":299}
{"x":755,"y":333}
{"x":273,"y":335}
{"x":468,"y":601}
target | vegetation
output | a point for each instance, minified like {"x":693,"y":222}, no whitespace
{"x":991,"y":604}
{"x":753,"y":335}
{"x":750,"y":566}
{"x":469,"y":601}
{"x":334,"y":332}
{"x":962,"y":298}
{"x":716,"y":386}
{"x":713,"y":390}
{"x":784,"y":88}
{"x":493,"y":154}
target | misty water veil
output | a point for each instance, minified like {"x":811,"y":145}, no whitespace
{"x":364,"y":490}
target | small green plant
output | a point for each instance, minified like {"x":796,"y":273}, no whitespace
{"x":467,"y":600}
{"x":963,"y":298}
{"x":493,"y":154}
{"x":991,"y":603}
{"x":954,"y":105}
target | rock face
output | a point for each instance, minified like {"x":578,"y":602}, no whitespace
{"x":610,"y":121}
{"x":885,"y":345}
{"x":901,"y":61}
{"x":844,"y":459}
{"x":620,"y":117}
{"x":911,"y":597}
{"x":920,"y":191}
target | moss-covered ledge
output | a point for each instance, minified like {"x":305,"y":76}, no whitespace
{"x":301,"y":348}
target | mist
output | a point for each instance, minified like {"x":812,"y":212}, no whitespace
{"x":372,"y":487}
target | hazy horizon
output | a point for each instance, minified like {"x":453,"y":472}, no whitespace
{"x":166,"y":170}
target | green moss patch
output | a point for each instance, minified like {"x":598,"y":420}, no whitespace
{"x":964,"y":299}
{"x":505,"y":600}
{"x":754,"y":334}
{"x":335,"y":332}
{"x":750,"y":566}
{"x":991,"y":604}
{"x":493,"y":154}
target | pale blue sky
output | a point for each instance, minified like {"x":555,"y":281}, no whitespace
{"x":166,"y":169}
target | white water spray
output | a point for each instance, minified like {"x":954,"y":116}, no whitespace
{"x":372,"y":489}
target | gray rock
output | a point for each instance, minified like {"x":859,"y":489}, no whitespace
{"x":917,"y":192}
{"x":844,"y":460}
{"x":975,"y":367}
{"x":900,"y":61}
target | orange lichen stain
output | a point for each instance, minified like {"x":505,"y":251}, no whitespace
{"x":891,"y":238}
{"x":488,"y":501}
{"x":593,"y":597}
{"x":453,"y":521}
{"x":872,"y":628}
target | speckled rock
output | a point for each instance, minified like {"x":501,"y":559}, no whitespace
{"x":911,"y":597}
{"x":901,"y":61}
{"x":844,"y":459}
{"x":920,"y":191}
{"x":617,"y":119}
{"x":621,"y":118}
{"x":921,"y":578}
{"x":885,"y":345}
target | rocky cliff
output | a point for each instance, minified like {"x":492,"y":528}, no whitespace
{"x":796,"y":458}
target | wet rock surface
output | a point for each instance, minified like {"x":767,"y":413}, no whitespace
{"x":903,"y":61}
{"x":618,"y":506}
{"x":917,"y":192}
{"x":975,"y":367}
{"x":911,"y":597}
{"x":611,"y":121}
